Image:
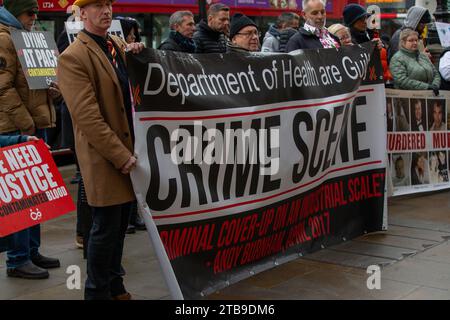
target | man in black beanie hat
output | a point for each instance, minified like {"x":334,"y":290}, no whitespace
{"x":244,"y":34}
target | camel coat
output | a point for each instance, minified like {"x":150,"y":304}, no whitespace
{"x":103,"y":140}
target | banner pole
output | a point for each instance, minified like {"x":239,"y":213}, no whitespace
{"x":166,"y":266}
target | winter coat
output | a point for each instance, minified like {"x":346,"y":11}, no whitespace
{"x":11,"y":140}
{"x":445,"y":84}
{"x":285,"y":35}
{"x":208,"y":40}
{"x":271,"y":42}
{"x":411,"y":21}
{"x":359,"y":37}
{"x":20,"y":107}
{"x":103,"y":140}
{"x":177,"y":42}
{"x":304,"y":39}
{"x":413,"y":70}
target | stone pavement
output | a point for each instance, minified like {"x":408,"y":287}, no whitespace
{"x":414,"y":254}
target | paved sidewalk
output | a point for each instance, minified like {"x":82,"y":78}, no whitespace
{"x":414,"y":253}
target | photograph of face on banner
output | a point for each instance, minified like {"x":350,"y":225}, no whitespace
{"x":419,"y":168}
{"x":436,"y":114}
{"x":401,"y":111}
{"x":399,"y":168}
{"x":438,"y":167}
{"x":389,"y":115}
{"x":418,"y":115}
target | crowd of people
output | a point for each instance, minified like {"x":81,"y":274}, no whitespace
{"x":93,"y":97}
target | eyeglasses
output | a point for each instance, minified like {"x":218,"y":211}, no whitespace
{"x":250,"y":34}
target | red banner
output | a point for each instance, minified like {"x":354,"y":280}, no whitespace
{"x":31,"y":188}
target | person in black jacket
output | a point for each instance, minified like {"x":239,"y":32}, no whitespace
{"x":182,"y":27}
{"x":355,"y":18}
{"x":313,"y":35}
{"x":211,"y":37}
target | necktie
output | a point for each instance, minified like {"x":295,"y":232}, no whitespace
{"x":113,"y":53}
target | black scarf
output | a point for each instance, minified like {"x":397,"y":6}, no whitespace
{"x":188,"y":45}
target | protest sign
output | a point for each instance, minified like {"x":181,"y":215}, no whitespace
{"x":31,"y":188}
{"x":73,"y":27}
{"x":443,"y":30}
{"x":417,"y":140}
{"x":247,"y":161}
{"x":38,"y":57}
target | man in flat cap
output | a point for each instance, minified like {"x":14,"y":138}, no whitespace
{"x":23,"y":111}
{"x":94,"y":82}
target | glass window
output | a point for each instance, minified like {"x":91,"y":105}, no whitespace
{"x":160,"y":30}
{"x":45,"y":25}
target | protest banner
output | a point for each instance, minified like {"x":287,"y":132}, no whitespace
{"x":443,"y":30}
{"x":38,"y":57}
{"x":73,"y":27}
{"x":417,"y":140}
{"x":247,"y":161}
{"x":31,"y":188}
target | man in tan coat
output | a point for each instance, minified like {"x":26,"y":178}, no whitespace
{"x":94,"y":82}
{"x":22,"y":111}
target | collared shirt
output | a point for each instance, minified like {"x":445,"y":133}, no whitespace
{"x":324,"y":36}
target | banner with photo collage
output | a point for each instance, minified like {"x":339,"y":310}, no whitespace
{"x":417,"y":140}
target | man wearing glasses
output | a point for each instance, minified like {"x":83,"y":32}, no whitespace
{"x":27,"y":112}
{"x":244,"y":34}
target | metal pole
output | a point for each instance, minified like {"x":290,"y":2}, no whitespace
{"x":202,"y":9}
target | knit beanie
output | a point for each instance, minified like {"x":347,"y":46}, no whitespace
{"x":17,"y":7}
{"x":238,"y":22}
{"x":353,"y":12}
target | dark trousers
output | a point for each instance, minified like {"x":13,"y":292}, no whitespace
{"x":104,"y":253}
{"x":23,"y":245}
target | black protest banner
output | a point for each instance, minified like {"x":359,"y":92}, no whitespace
{"x":38,"y":57}
{"x":247,"y":161}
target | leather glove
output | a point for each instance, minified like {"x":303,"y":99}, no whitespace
{"x":434,"y":88}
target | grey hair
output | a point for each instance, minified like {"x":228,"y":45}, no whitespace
{"x":216,"y":8}
{"x":306,"y":2}
{"x":177,"y":17}
{"x":405,"y":34}
{"x":286,"y":17}
{"x":335,"y":28}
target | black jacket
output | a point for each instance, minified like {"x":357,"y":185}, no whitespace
{"x":177,"y":42}
{"x":305,"y":40}
{"x":170,"y":44}
{"x":359,"y":37}
{"x":285,"y":35}
{"x":208,"y":40}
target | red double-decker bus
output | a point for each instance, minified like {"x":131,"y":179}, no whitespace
{"x":153,"y":15}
